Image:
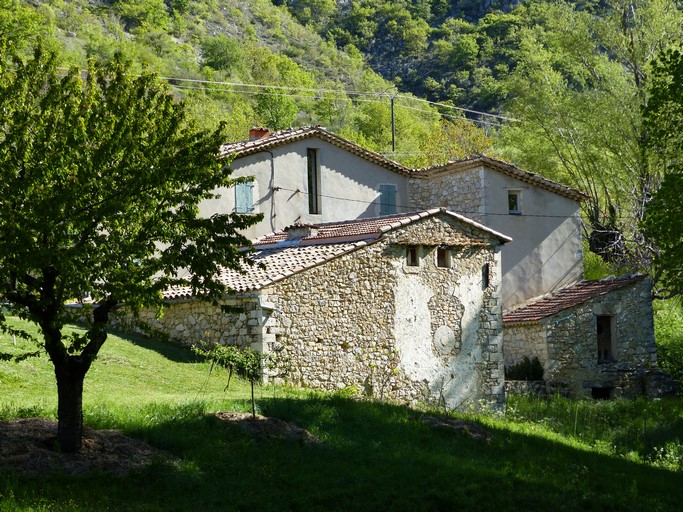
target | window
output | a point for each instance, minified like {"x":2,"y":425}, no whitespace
{"x":607,"y":348}
{"x":443,"y":257}
{"x":515,"y":202}
{"x":313,"y":181}
{"x":244,"y":197}
{"x":387,"y":199}
{"x":485,"y":276}
{"x":412,"y":256}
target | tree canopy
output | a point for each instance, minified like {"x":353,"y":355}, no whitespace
{"x":101,"y":175}
{"x":663,"y":119}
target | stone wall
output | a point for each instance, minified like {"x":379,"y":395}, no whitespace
{"x":368,"y":320}
{"x":461,"y":192}
{"x":520,"y":341}
{"x":572,"y":344}
{"x":406,"y":333}
{"x":237,"y":321}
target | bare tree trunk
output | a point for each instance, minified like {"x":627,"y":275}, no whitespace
{"x":70,"y":406}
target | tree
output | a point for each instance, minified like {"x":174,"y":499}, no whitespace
{"x":663,"y":120}
{"x":101,"y":175}
{"x":579,"y":89}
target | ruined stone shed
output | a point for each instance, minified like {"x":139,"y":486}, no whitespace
{"x":593,"y":338}
{"x":404,"y":307}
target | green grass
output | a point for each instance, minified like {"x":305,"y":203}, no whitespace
{"x":544,"y":455}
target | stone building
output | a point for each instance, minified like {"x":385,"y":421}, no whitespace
{"x":338,"y":298}
{"x":405,"y":307}
{"x":310,"y":175}
{"x":594,"y":338}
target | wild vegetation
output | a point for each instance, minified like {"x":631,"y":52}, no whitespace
{"x":587,"y":97}
{"x":557,"y":454}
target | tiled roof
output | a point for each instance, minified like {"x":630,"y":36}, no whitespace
{"x":280,"y":138}
{"x":276,"y":257}
{"x":566,"y":298}
{"x":365,"y":229}
{"x":504,"y":168}
{"x":271,"y":265}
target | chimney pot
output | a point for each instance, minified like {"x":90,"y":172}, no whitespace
{"x":258,"y":132}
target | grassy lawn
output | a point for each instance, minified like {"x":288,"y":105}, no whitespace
{"x":543,"y":455}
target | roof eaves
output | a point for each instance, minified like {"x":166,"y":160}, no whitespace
{"x":240,"y":149}
{"x":506,"y":168}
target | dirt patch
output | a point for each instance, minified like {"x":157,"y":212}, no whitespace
{"x":269,"y":428}
{"x":456,"y":425}
{"x":27,"y":446}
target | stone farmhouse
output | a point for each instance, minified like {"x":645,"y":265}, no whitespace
{"x":404,"y":306}
{"x":362,"y":290}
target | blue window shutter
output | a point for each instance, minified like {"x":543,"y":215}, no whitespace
{"x":244,"y":198}
{"x":387,"y":199}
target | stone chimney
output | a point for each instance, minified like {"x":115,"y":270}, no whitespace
{"x":299,"y":231}
{"x":258,"y":132}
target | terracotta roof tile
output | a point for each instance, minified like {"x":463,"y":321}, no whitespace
{"x":505,"y":168}
{"x":271,"y":265}
{"x":364,"y":229}
{"x":566,"y":298}
{"x":276,"y":257}
{"x":280,"y":138}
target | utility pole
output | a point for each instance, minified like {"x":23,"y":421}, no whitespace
{"x":392,"y":97}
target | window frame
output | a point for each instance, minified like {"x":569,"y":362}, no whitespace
{"x":313,"y":181}
{"x":388,"y":194}
{"x":517,"y":194}
{"x":412,"y":256}
{"x":607,"y":347}
{"x":443,"y":254}
{"x":239,"y":206}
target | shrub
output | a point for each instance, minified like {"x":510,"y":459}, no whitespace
{"x":526,"y":369}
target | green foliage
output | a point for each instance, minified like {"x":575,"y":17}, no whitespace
{"x":642,"y":430}
{"x":246,"y":363}
{"x":668,"y":316}
{"x":101,"y":178}
{"x":148,"y":14}
{"x":662,"y":222}
{"x":578,"y":88}
{"x":223,"y":53}
{"x":526,"y":369}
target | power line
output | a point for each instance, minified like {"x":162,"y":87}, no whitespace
{"x":415,"y":207}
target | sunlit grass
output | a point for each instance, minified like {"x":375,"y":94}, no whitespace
{"x":543,"y":455}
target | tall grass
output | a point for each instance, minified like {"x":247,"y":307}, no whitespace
{"x":642,"y":430}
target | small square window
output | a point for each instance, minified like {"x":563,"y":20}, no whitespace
{"x":515,"y":202}
{"x":412,"y":256}
{"x":443,"y":257}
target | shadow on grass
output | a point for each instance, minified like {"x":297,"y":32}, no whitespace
{"x":372,"y":457}
{"x":172,"y":351}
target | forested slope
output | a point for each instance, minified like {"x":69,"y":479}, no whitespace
{"x":570,"y":80}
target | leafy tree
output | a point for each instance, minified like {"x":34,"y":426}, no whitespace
{"x":20,"y":24}
{"x":223,"y":53}
{"x":579,"y":88}
{"x":100,"y":181}
{"x":246,"y":363}
{"x":663,"y":119}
